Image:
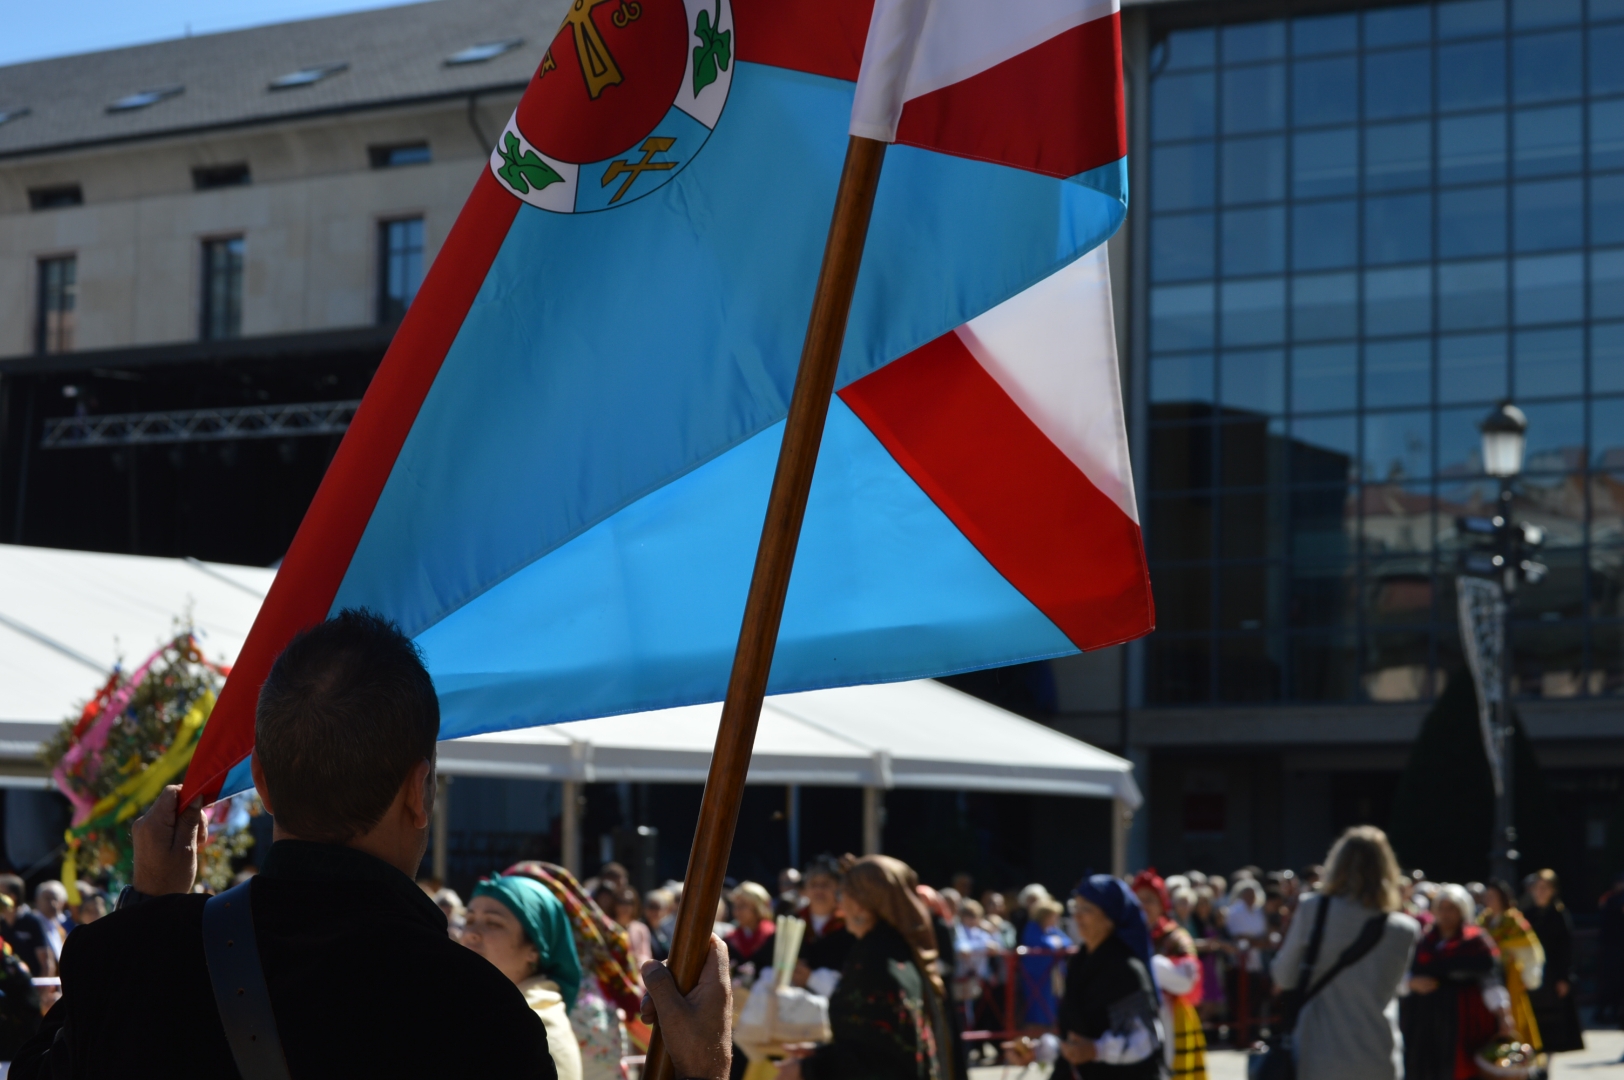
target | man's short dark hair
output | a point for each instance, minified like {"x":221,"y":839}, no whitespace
{"x":346,"y":713}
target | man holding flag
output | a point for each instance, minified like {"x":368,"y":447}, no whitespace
{"x":558,"y":476}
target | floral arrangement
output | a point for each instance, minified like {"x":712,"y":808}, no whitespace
{"x":1506,"y":1059}
{"x":135,"y":735}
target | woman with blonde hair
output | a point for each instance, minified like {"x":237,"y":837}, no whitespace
{"x":1343,"y":961}
{"x":889,"y":1013}
{"x":1044,"y":977}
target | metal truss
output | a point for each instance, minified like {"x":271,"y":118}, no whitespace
{"x":200,"y":425}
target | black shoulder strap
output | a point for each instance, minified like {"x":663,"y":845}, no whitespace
{"x":239,"y":985}
{"x":1369,"y":935}
{"x":1311,"y":954}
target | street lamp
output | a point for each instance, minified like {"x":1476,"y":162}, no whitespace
{"x":1505,"y":437}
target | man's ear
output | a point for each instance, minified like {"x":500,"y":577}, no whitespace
{"x":419,"y":794}
{"x":259,"y":784}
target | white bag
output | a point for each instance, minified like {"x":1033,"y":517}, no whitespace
{"x":774,"y":1015}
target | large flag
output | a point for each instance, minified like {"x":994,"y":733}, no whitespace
{"x":557,"y":479}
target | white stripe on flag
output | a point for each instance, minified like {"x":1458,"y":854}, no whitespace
{"x":1053,"y":350}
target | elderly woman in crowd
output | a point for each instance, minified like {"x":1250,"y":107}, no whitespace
{"x":1178,"y":974}
{"x":1110,"y":1023}
{"x":521,"y":928}
{"x":610,"y":987}
{"x":1348,"y":1029}
{"x":753,"y":921}
{"x":827,"y":941}
{"x":889,"y":1013}
{"x":1206,"y":926}
{"x":1556,"y":1007}
{"x":1044,"y":970}
{"x":1456,"y":1003}
{"x":1522,"y":959}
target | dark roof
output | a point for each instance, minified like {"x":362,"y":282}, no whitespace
{"x":394,"y":55}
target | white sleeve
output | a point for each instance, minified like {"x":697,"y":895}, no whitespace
{"x":1047,"y":1049}
{"x":823,"y":981}
{"x":1175,"y":976}
{"x":1117,"y":1048}
{"x":1496,"y":999}
{"x":1531,"y":964}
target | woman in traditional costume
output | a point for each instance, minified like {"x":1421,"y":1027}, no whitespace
{"x":1522,"y":958}
{"x":1110,"y":1015}
{"x":889,"y":1013}
{"x":610,"y":986}
{"x":1556,"y":1007}
{"x":1178,"y":974}
{"x":1456,"y":1003}
{"x":521,"y":928}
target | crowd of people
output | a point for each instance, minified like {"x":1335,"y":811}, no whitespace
{"x":1406,"y":976}
{"x":1452,"y":970}
{"x":867,"y":973}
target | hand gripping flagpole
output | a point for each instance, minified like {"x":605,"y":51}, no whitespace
{"x":775,"y":557}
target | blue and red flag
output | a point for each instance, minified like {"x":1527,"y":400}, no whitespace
{"x":558,"y":476}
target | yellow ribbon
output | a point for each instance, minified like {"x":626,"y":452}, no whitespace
{"x":139,"y":791}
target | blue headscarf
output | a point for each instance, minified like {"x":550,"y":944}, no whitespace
{"x":1121,"y":906}
{"x":546,"y":926}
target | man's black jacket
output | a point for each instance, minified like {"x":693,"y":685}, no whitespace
{"x":362,"y":977}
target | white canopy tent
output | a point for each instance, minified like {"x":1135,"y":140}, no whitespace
{"x":896,"y":735}
{"x":66,"y":617}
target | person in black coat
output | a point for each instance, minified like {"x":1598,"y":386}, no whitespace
{"x":1556,"y":1006}
{"x":888,"y":1016}
{"x":1610,"y":953}
{"x":1110,"y":1013}
{"x":362,"y":977}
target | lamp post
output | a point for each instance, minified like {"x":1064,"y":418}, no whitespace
{"x":1505,"y":437}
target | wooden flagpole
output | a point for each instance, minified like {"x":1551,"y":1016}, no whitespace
{"x":775,"y":557}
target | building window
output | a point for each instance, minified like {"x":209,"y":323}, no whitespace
{"x":1367,"y":226}
{"x":205,"y":177}
{"x":388,"y":157}
{"x":222,"y":288}
{"x":58,"y":292}
{"x":400,"y":266}
{"x":55,"y":197}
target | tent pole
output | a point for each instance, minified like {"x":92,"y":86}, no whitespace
{"x":873,"y":819}
{"x":792,"y":821}
{"x":1121,"y":821}
{"x":570,"y":827}
{"x":442,"y":816}
{"x":775,"y":557}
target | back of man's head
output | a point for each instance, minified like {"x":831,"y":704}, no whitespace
{"x":12,"y":886}
{"x":346,"y":713}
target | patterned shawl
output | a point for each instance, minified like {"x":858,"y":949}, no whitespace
{"x":604,"y":947}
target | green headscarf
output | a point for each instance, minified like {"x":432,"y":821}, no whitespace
{"x":545,"y":924}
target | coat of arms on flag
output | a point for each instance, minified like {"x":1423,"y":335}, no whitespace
{"x":626,"y":95}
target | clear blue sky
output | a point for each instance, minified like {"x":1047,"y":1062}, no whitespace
{"x":36,"y":29}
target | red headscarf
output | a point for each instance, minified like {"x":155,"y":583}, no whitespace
{"x":1148,"y":878}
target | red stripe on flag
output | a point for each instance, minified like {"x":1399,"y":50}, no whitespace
{"x":319,"y":557}
{"x":1035,"y":516}
{"x":1055,"y":109}
{"x":820,"y":37}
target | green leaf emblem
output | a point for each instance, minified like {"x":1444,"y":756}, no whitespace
{"x":526,"y":171}
{"x":715,"y":48}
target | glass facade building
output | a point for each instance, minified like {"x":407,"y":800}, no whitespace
{"x":1366,"y":227}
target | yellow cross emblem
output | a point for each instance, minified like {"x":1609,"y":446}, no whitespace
{"x":598,"y":65}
